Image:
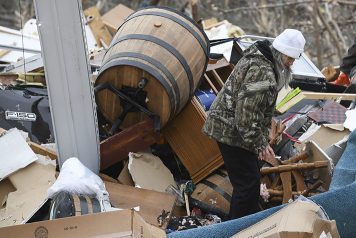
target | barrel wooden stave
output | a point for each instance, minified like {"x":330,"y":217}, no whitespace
{"x":211,"y":197}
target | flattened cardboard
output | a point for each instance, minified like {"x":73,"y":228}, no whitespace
{"x":125,"y":176}
{"x":151,"y":203}
{"x":31,"y":184}
{"x":149,"y":172}
{"x":117,"y":224}
{"x":6,"y":187}
{"x":115,"y":17}
{"x":326,"y":136}
{"x":298,"y":219}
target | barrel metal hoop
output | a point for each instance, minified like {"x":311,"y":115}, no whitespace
{"x":148,"y":69}
{"x":221,"y":174}
{"x":155,"y":63}
{"x":166,"y":46}
{"x":178,"y":21}
{"x":83,"y":205}
{"x":96,"y":205}
{"x":217,"y":189}
{"x":169,"y":9}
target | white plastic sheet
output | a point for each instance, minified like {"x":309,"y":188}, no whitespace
{"x":350,"y":122}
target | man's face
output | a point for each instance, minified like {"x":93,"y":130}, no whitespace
{"x":287,"y":61}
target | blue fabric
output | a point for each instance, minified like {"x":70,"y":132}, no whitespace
{"x":345,"y":170}
{"x":339,"y":203}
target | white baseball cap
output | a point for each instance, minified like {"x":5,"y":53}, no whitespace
{"x":290,"y":42}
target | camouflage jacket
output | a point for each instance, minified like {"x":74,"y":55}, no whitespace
{"x":242,"y":111}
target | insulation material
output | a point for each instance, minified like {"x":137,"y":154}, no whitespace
{"x":15,"y":153}
{"x":149,"y":172}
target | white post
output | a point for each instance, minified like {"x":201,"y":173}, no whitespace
{"x":71,"y":95}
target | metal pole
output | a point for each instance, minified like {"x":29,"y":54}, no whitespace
{"x":73,"y":109}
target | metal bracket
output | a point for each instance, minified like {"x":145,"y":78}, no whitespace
{"x":130,"y":102}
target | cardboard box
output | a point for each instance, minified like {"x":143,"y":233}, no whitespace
{"x":115,"y":17}
{"x":317,"y":154}
{"x":300,"y":219}
{"x":124,"y":223}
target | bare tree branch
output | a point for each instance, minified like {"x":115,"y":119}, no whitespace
{"x":347,"y":2}
{"x":317,"y":36}
{"x":286,"y":4}
{"x":335,"y":25}
{"x":331,"y":33}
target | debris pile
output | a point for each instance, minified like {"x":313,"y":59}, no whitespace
{"x":155,"y":73}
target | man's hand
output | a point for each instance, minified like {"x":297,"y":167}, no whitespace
{"x":266,"y":154}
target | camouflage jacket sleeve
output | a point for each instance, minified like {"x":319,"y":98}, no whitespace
{"x":254,"y":106}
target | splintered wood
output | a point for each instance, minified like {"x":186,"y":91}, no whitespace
{"x":292,"y":177}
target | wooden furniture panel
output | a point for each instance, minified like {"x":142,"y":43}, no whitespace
{"x":199,"y":154}
{"x":101,"y":33}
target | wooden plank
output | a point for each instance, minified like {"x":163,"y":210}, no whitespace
{"x":295,"y":159}
{"x":211,"y":84}
{"x":299,"y":181}
{"x":38,"y":149}
{"x":292,"y":167}
{"x":318,"y":155}
{"x":329,"y":96}
{"x":221,"y":63}
{"x":100,"y":32}
{"x":287,"y":186}
{"x":217,"y":77}
{"x":187,"y":140}
{"x":151,"y":203}
{"x":132,"y":139}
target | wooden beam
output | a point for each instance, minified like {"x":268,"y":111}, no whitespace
{"x":329,"y":96}
{"x":101,"y":33}
{"x":286,"y":178}
{"x":38,"y":149}
{"x":217,"y":77}
{"x":132,"y":139}
{"x":292,"y":167}
{"x":211,"y":84}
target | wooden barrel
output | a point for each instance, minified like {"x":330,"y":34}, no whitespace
{"x":65,"y":204}
{"x":213,"y":194}
{"x":165,"y":47}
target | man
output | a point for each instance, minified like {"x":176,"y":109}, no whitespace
{"x":348,"y":64}
{"x":241,"y":114}
{"x":348,"y":67}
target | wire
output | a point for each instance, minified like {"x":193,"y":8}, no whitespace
{"x":23,"y":45}
{"x":291,"y":138}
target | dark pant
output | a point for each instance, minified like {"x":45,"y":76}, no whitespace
{"x":244,"y":174}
